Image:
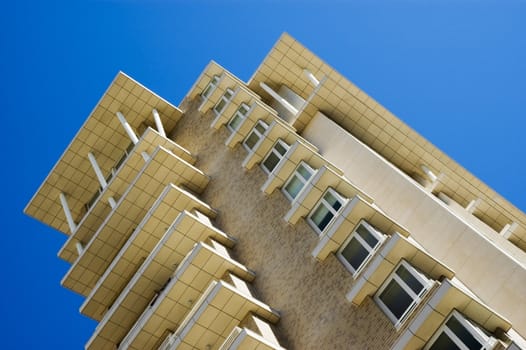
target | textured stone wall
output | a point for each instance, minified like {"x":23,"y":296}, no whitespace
{"x":309,"y":295}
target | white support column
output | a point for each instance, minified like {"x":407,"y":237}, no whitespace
{"x":127,"y":128}
{"x":509,"y":229}
{"x":158,"y":122}
{"x":278,"y":98}
{"x":112,"y":202}
{"x":470,"y":208}
{"x":67,"y":212}
{"x":311,"y":77}
{"x":97,"y":170}
{"x":145,"y":156}
{"x":80,"y":248}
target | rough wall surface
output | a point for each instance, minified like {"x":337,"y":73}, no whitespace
{"x":309,"y":295}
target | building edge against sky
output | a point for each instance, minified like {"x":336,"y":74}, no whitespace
{"x":351,"y":218}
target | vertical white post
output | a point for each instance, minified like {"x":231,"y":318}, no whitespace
{"x":158,"y":122}
{"x":97,"y":170}
{"x":278,"y":98}
{"x":145,"y":156}
{"x":470,"y":208}
{"x":127,"y":128}
{"x":311,"y":77}
{"x":112,"y":202}
{"x":80,"y":248}
{"x":67,"y":212}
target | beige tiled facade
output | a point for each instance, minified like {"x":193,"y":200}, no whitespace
{"x":292,"y":211}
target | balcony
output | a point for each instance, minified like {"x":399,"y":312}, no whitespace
{"x":162,"y":169}
{"x":221,"y":308}
{"x":103,"y":135}
{"x":146,"y":243}
{"x":157,"y":299}
{"x":119,"y":177}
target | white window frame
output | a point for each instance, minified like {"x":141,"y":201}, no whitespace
{"x":417,"y":298}
{"x":297,"y":175}
{"x":239,"y":115}
{"x":209,"y":89}
{"x":260,"y":135}
{"x":223,"y":100}
{"x":370,"y":249}
{"x":274,"y":152}
{"x":334,"y":212}
{"x":487,"y":342}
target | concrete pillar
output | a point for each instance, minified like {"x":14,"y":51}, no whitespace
{"x":278,"y":98}
{"x":127,"y":128}
{"x":158,"y":122}
{"x":67,"y":212}
{"x":97,"y":170}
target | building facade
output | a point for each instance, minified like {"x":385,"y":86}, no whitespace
{"x":292,"y":211}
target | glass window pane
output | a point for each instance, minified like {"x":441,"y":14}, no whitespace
{"x":251,"y":140}
{"x":271,"y":161}
{"x":235,"y":122}
{"x":367,"y":236}
{"x":219,"y":107}
{"x":261,"y":128}
{"x":355,"y":253}
{"x":280,"y":148}
{"x":306,"y":174}
{"x":411,"y":281}
{"x":396,"y":299}
{"x":294,"y":186}
{"x":243,"y":109}
{"x":444,"y":342}
{"x":321,"y":217}
{"x":332,"y":200}
{"x":462,"y":333}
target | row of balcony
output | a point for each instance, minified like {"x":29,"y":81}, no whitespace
{"x":418,"y":293}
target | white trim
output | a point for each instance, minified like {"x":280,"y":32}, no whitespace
{"x":260,"y":135}
{"x":224,"y":101}
{"x":301,"y":178}
{"x":274,"y":152}
{"x":486,"y":341}
{"x":239,"y":115}
{"x":380,"y":238}
{"x":322,"y":201}
{"x":415,"y":296}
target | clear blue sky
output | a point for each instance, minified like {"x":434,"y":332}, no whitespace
{"x":453,"y":70}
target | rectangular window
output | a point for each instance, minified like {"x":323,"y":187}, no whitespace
{"x":326,"y":210}
{"x":298,"y":180}
{"x":275,"y":156}
{"x":224,"y":101}
{"x":255,"y":135}
{"x":210,"y":87}
{"x":401,"y":292}
{"x":460,"y":333}
{"x":238,"y":117}
{"x":360,"y":247}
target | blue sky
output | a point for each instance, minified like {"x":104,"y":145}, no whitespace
{"x":453,"y":70}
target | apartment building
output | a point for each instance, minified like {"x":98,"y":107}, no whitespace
{"x":290,"y":211}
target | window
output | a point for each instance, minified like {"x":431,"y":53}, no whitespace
{"x":238,"y":117}
{"x":224,"y":101}
{"x":298,"y":180}
{"x":401,"y":292}
{"x":325,"y":210}
{"x":275,"y":156}
{"x":360,"y":247}
{"x":255,"y":135}
{"x":210,"y":87}
{"x":460,"y":333}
